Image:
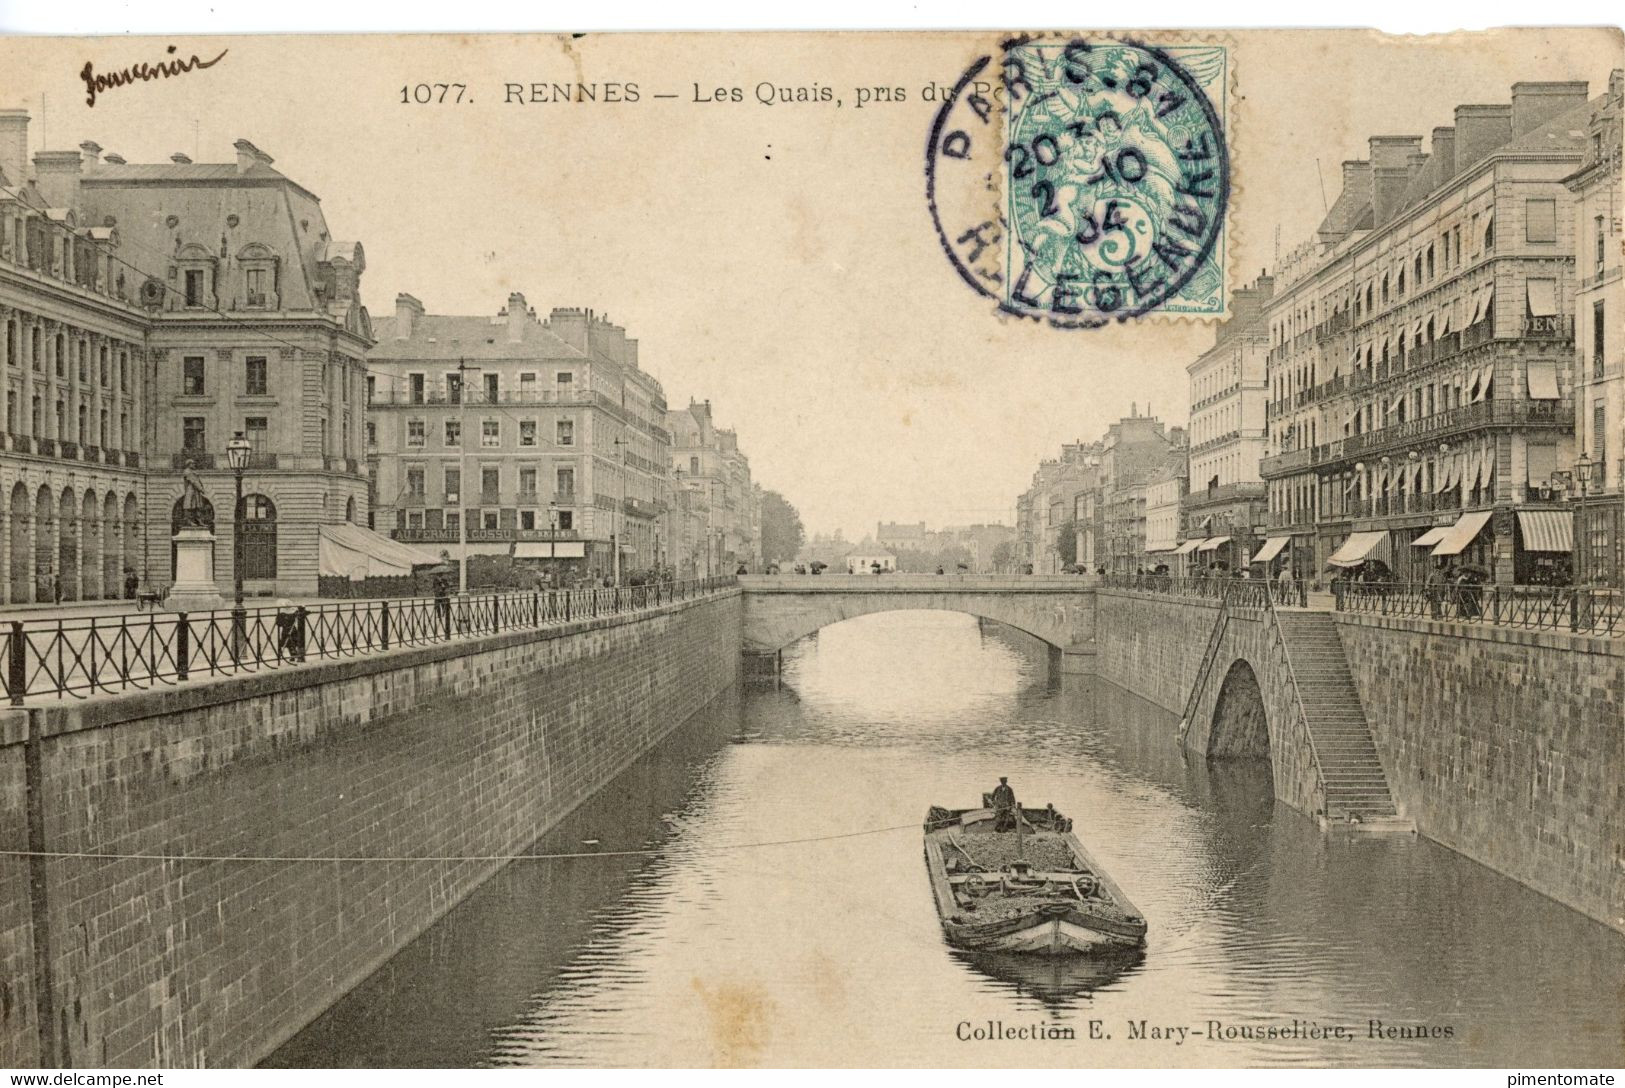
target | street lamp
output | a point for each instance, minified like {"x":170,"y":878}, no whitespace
{"x":237,"y":451}
{"x":620,"y":514}
{"x":1582,"y":476}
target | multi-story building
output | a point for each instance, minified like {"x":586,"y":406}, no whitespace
{"x":1163,"y":492}
{"x":1229,"y":390}
{"x":687,"y":528}
{"x":1132,"y":450}
{"x":545,"y":435}
{"x":1422,"y":347}
{"x":708,"y":458}
{"x":896,"y":535}
{"x":1046,"y":525}
{"x":978,"y":541}
{"x":152,"y":311}
{"x":1599,"y":358}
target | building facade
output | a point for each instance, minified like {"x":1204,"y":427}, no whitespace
{"x":707,"y":458}
{"x":1229,"y":393}
{"x":543,"y":439}
{"x":151,"y":312}
{"x":1599,"y":343}
{"x":1133,"y":450}
{"x":1163,"y":494}
{"x":1421,"y":350}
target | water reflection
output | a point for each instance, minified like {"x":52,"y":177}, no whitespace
{"x":1057,"y":981}
{"x":717,"y":949}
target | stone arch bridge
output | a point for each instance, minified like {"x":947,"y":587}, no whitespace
{"x":779,"y":609}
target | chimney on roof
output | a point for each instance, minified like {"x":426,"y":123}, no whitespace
{"x":1533,"y":104}
{"x":248,"y":155}
{"x":1444,"y":152}
{"x":517,"y":313}
{"x":14,"y":145}
{"x":570,"y":325}
{"x":1390,"y":173}
{"x":1480,"y":130}
{"x":113,"y":159}
{"x":1356,"y":187}
{"x":407,"y":312}
{"x":181,"y":158}
{"x":92,"y":150}
{"x":1246,"y":306}
{"x":57,"y":175}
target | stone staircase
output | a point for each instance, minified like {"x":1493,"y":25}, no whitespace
{"x":1356,"y":786}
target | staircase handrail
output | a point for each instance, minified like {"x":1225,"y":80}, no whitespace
{"x":1297,"y":693}
{"x":1220,"y":622}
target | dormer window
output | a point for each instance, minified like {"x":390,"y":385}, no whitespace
{"x":259,"y":266}
{"x":195,"y":269}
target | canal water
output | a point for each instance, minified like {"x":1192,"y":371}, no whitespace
{"x":722,"y":944}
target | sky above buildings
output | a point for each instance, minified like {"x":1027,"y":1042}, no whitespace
{"x":776,"y":259}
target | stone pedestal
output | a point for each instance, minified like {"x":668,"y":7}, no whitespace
{"x":194,"y":589}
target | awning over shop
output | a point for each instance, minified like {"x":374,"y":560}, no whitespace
{"x":1461,"y":534}
{"x":1547,"y":530}
{"x":1271,"y":548}
{"x":1542,"y":379}
{"x":1160,"y":549}
{"x":1431,"y":537}
{"x":547,"y":549}
{"x":349,"y":551}
{"x":1356,"y":548}
{"x":1442,"y":325}
{"x":1188,"y":547}
{"x":1213,"y":543}
{"x":1542,"y":297}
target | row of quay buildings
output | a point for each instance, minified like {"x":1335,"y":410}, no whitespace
{"x":151,"y":312}
{"x":1437,"y":375}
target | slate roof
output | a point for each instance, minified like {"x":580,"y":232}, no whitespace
{"x":463,"y":337}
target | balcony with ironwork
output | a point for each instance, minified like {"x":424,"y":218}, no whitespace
{"x":1199,"y":498}
{"x":1542,"y":415}
{"x":1215,"y":442}
{"x":1284,"y":464}
{"x":440,"y":398}
{"x":1333,"y":326}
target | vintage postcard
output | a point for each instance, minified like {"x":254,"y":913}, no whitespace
{"x":1064,"y":547}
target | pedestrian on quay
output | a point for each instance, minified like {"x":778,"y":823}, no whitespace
{"x":442,"y":601}
{"x":132,"y":583}
{"x":1433,"y":589}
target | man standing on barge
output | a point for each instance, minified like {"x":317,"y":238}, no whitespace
{"x":1004,"y":806}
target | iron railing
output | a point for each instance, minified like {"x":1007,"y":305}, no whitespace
{"x":1583,"y":609}
{"x":93,"y":655}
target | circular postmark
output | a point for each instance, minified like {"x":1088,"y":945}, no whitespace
{"x":1081,"y":181}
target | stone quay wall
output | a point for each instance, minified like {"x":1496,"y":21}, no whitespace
{"x":1505,"y":745}
{"x":1152,"y":645}
{"x":209,"y":948}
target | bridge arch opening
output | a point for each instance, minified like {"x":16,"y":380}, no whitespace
{"x":806,"y":626}
{"x":1240,"y":724}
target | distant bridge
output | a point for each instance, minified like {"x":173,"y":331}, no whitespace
{"x":780,"y":609}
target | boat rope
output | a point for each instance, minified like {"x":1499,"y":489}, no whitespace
{"x":94,"y":855}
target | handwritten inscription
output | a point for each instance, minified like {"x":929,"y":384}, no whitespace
{"x":97,"y":83}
